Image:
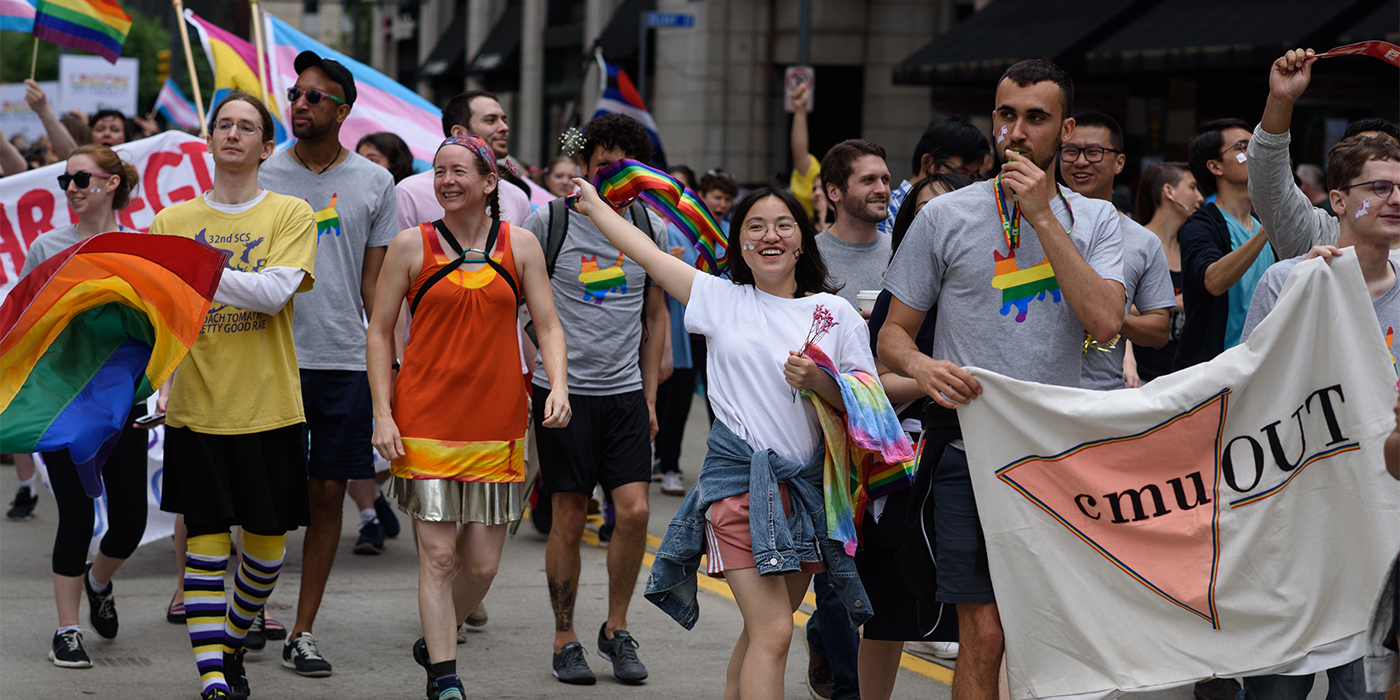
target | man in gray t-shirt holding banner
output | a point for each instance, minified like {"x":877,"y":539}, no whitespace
{"x":356,"y":218}
{"x":1023,"y":274}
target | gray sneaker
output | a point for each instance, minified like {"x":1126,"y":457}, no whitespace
{"x":571,"y":667}
{"x":621,"y":650}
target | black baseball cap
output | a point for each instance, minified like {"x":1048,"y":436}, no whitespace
{"x":332,"y":67}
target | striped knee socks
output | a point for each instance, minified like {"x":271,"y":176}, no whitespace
{"x":257,"y":575}
{"x":206,"y":560}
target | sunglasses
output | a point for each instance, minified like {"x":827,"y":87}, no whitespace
{"x":313,"y":96}
{"x":83,"y":178}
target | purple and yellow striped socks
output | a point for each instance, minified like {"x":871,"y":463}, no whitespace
{"x":257,"y":576}
{"x":206,"y":560}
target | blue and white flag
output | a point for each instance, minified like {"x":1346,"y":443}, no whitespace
{"x":177,"y":108}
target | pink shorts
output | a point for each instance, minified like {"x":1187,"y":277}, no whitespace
{"x":729,"y":543}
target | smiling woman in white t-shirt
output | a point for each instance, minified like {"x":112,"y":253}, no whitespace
{"x":754,"y":326}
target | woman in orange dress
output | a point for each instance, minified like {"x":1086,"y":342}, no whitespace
{"x":454,"y":426}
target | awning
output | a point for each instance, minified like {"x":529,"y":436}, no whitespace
{"x":619,"y":38}
{"x":450,"y":48}
{"x":501,"y":50}
{"x":1006,"y":31}
{"x":1203,"y":34}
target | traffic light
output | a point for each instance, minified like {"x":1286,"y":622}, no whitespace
{"x":163,"y":64}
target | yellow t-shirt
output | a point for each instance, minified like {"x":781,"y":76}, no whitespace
{"x":241,"y":375}
{"x":801,"y":185}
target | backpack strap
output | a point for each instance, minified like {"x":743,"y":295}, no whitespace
{"x":558,"y":229}
{"x":447,"y":269}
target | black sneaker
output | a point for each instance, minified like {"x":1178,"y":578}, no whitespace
{"x":385,"y":513}
{"x":215,"y":694}
{"x":22,"y":508}
{"x":621,"y":650}
{"x":605,"y":533}
{"x":571,"y":667}
{"x":371,"y":538}
{"x":102,"y":608}
{"x":256,"y":639}
{"x":301,"y":655}
{"x":235,"y":676}
{"x":68,"y":651}
{"x":420,"y":654}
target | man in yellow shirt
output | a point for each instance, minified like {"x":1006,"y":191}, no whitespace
{"x":234,"y":453}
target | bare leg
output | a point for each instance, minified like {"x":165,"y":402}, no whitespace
{"x":437,"y":562}
{"x":629,"y":542}
{"x":24,"y":467}
{"x":980,"y":645}
{"x":318,"y":548}
{"x":561,"y":562}
{"x":878,"y":667}
{"x":67,"y":591}
{"x":363,"y":492}
{"x":480,"y":551}
{"x":766,"y":604}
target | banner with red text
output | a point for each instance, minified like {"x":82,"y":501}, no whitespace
{"x":173,"y":167}
{"x":1232,"y":519}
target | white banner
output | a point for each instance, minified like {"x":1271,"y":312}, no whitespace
{"x":16,"y":118}
{"x":173,"y":167}
{"x":1231,"y":519}
{"x":90,"y":83}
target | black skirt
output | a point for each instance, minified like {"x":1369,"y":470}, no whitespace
{"x":256,"y":481}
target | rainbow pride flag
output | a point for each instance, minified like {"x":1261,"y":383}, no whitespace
{"x":98,"y":26}
{"x":627,"y":180}
{"x":93,"y":330}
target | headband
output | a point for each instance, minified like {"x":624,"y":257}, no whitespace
{"x":477,"y":145}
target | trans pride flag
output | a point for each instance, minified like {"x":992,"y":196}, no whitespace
{"x":626,"y":180}
{"x":17,"y":16}
{"x":99,"y":26}
{"x":93,"y":330}
{"x":177,"y":108}
{"x":620,"y":96}
{"x":235,"y":64}
{"x":382,"y":105}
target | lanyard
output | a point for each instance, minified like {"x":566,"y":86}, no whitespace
{"x":1011,"y":226}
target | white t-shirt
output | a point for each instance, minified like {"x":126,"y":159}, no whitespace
{"x":749,"y":334}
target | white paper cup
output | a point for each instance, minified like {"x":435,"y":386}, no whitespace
{"x":866,"y":299}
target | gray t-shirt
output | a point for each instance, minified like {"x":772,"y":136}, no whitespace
{"x":998,"y":312}
{"x":47,"y":244}
{"x":1267,"y":291}
{"x":1147,"y":284}
{"x":355,"y":209}
{"x":598,"y":295}
{"x":857,"y":266}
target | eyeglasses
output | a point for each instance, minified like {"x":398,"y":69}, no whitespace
{"x":245,"y":128}
{"x":1382,"y":188}
{"x":313,"y":96}
{"x":82,"y":177}
{"x":758,"y":229}
{"x":1242,"y":145}
{"x":1092,"y":154}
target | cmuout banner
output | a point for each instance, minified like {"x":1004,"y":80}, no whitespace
{"x":1231,"y":519}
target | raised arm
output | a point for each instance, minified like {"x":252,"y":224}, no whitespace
{"x":539,"y":299}
{"x":59,"y":137}
{"x":801,"y":154}
{"x":11,"y":160}
{"x":1292,"y":223}
{"x":673,"y":275}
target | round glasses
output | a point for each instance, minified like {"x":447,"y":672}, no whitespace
{"x":1381,"y":188}
{"x":757,"y":229}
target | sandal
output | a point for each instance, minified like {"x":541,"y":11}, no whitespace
{"x":175,"y":614}
{"x":273,"y":629}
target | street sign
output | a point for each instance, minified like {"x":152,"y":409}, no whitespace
{"x":671,"y":20}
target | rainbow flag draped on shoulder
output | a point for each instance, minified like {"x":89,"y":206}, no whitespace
{"x":627,"y":180}
{"x":93,"y":330}
{"x":868,"y":454}
{"x":99,"y":26}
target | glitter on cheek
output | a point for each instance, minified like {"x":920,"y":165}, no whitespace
{"x":1361,"y":210}
{"x":1240,"y":158}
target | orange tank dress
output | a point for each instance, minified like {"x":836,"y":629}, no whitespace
{"x":459,"y":401}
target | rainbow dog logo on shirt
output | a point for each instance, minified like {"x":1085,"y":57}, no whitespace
{"x":327,"y":220}
{"x":598,"y":282}
{"x":1019,"y":286}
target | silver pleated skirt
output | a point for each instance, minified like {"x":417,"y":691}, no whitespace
{"x":445,"y":500}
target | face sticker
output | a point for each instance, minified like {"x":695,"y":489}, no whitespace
{"x":95,"y":190}
{"x":749,"y":246}
{"x":1001,"y":135}
{"x":1239,"y":158}
{"x":1361,"y":210}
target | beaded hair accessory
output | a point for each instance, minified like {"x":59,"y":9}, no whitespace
{"x":477,"y":145}
{"x":571,"y":142}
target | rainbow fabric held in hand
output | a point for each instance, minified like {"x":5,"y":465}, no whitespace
{"x":868,"y":454}
{"x":93,"y":330}
{"x":620,"y":183}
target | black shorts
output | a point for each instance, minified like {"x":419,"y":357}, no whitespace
{"x":254,"y":480}
{"x":877,"y":561}
{"x":607,"y":442}
{"x":340,"y":422}
{"x":960,"y":551}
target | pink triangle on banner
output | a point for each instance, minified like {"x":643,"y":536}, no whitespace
{"x":1147,"y":502}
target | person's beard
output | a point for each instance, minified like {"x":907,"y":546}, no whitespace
{"x":312,"y":130}
{"x":859,"y":210}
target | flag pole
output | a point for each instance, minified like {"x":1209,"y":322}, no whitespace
{"x":262,"y":53}
{"x":189,"y":63}
{"x":34,"y":62}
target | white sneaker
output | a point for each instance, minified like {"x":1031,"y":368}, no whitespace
{"x":671,"y":484}
{"x":933,"y":650}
